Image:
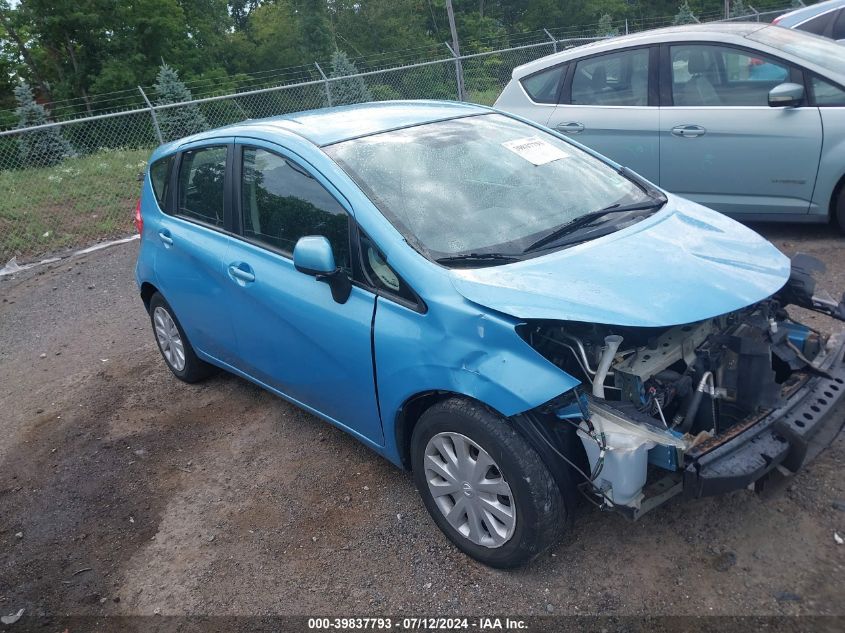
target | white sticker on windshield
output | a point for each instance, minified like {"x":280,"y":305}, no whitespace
{"x":535,"y":150}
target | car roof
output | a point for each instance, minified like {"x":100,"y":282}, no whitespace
{"x":727,"y":32}
{"x":805,"y":13}
{"x":332,"y":125}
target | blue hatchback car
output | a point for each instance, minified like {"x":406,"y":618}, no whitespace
{"x":494,"y":307}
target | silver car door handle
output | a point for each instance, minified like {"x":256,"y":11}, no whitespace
{"x":688,"y":131}
{"x":573,"y":127}
{"x":240,"y":273}
{"x":164,"y":237}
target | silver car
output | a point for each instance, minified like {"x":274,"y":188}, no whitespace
{"x":747,"y":119}
{"x":825,"y":18}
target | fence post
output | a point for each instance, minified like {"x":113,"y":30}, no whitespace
{"x":153,"y":115}
{"x":551,"y":37}
{"x":459,"y":73}
{"x":326,"y":83}
{"x":756,"y":13}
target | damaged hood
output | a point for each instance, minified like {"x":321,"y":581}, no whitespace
{"x":683,"y":264}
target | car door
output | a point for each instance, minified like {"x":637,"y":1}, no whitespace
{"x":191,"y":240}
{"x":609,"y":103}
{"x":292,"y":335}
{"x":722,"y":145}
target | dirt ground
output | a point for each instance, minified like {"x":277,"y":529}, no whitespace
{"x":124,"y":491}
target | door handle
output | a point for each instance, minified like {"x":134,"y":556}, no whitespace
{"x":164,"y":236}
{"x":688,"y":131}
{"x":573,"y":127}
{"x":241,"y":272}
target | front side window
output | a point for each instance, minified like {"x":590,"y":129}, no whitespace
{"x":618,"y":79}
{"x":705,"y":75}
{"x":281,"y":202}
{"x":202,"y":177}
{"x":480,"y":184}
{"x":827,"y":94}
{"x":160,"y":178}
{"x":379,"y":273}
{"x":543,"y":87}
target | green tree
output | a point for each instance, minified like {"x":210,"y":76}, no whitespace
{"x":685,"y":15}
{"x":605,"y":27}
{"x":180,"y":121}
{"x":738,"y":9}
{"x":317,"y":39}
{"x":38,"y":148}
{"x":345,"y":91}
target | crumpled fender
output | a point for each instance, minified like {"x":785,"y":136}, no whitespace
{"x":475,"y":353}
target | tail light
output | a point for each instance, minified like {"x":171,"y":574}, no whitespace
{"x":777,"y":19}
{"x":137,"y":219}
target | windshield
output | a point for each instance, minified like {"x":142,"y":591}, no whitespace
{"x":812,"y":48}
{"x":480,"y":184}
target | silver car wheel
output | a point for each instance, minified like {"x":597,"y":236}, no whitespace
{"x":169,"y":339}
{"x":469,"y":489}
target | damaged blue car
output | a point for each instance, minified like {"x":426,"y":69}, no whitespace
{"x":520,"y":322}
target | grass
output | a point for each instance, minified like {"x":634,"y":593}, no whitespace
{"x":79,"y":201}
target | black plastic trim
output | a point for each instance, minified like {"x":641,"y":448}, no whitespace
{"x":789,"y":436}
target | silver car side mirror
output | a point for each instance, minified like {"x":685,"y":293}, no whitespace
{"x":786,"y":95}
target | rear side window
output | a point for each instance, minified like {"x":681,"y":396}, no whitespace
{"x":160,"y":178}
{"x":543,"y":87}
{"x":281,"y":202}
{"x":617,"y":79}
{"x":818,"y":25}
{"x":202,"y":176}
{"x":838,"y":32}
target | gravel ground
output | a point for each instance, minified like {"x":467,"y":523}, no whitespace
{"x":124,"y":491}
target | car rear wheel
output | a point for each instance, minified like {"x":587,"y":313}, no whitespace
{"x":174,"y":345}
{"x":483,"y":485}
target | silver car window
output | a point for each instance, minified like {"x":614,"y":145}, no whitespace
{"x":706,"y":75}
{"x":827,"y":94}
{"x":617,"y":79}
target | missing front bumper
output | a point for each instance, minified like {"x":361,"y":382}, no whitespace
{"x":789,"y":436}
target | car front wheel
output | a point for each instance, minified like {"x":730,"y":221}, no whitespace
{"x":483,"y":485}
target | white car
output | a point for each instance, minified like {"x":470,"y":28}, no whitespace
{"x":748,"y":119}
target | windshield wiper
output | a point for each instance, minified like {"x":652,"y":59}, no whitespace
{"x":478,"y":258}
{"x":588,"y":219}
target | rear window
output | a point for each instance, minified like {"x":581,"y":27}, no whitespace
{"x":160,"y":178}
{"x":543,"y":87}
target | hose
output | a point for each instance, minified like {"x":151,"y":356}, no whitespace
{"x":684,"y":422}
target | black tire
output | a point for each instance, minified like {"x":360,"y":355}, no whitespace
{"x":838,"y":210}
{"x":540,"y":511}
{"x":195,"y":369}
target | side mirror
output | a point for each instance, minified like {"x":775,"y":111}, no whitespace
{"x":313,"y":255}
{"x":786,"y":94}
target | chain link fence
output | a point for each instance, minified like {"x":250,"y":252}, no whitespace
{"x":71,"y":183}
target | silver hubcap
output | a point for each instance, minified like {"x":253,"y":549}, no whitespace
{"x":169,"y":339}
{"x":469,"y":489}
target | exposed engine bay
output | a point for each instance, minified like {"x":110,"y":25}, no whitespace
{"x":652,"y":397}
